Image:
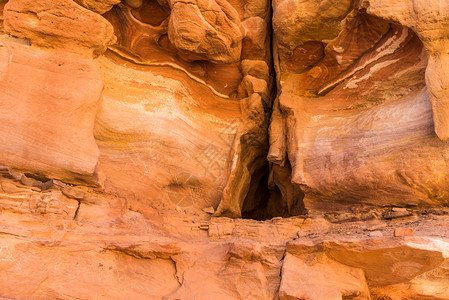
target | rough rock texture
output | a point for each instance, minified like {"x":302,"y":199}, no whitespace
{"x":354,"y":115}
{"x":59,"y":241}
{"x":46,"y":120}
{"x":60,"y":24}
{"x":214,"y":149}
{"x":189,"y":67}
{"x":206,"y":30}
{"x":99,"y":6}
{"x":429,"y":20}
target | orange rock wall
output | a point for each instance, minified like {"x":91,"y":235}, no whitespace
{"x":214,"y":149}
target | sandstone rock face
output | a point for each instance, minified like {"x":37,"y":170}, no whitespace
{"x":58,"y":24}
{"x":421,"y":17}
{"x":193,"y":68}
{"x":54,"y":245}
{"x":355,"y":115}
{"x":191,"y":30}
{"x":138,"y":154}
{"x":224,"y":149}
{"x":323,"y":279}
{"x":47,"y":120}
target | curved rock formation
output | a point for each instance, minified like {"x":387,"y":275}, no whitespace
{"x":355,"y":111}
{"x":206,"y":30}
{"x":429,"y":20}
{"x":202,"y":85}
{"x":224,"y":149}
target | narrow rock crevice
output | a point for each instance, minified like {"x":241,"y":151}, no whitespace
{"x":77,"y":210}
{"x":272,"y":194}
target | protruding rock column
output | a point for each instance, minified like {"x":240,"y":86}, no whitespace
{"x":437,"y":80}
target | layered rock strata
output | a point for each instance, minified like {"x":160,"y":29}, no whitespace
{"x":213,"y":60}
{"x":137,"y":134}
{"x":60,"y":241}
{"x":163,"y":70}
{"x":354,"y":114}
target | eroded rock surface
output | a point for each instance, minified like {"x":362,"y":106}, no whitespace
{"x":48,"y":106}
{"x":429,"y":20}
{"x":137,"y":134}
{"x":355,"y":115}
{"x":195,"y":68}
{"x":60,"y":242}
{"x":58,"y":24}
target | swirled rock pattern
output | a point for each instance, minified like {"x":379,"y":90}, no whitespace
{"x":198,"y":69}
{"x":429,"y":20}
{"x":224,"y":149}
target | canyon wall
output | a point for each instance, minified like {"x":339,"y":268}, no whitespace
{"x":214,"y":149}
